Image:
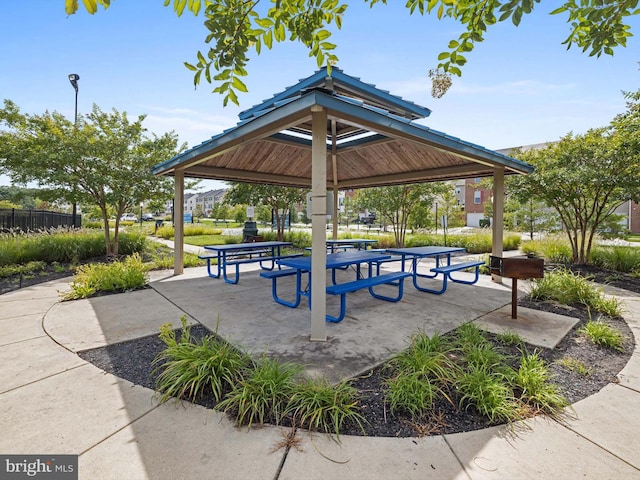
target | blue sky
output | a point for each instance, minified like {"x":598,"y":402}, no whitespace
{"x":519,"y":87}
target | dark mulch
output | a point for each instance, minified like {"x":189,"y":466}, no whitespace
{"x":133,"y":361}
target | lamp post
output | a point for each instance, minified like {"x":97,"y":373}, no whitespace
{"x":141,"y":205}
{"x":73,"y":78}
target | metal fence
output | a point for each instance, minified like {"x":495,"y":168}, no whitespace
{"x":30,"y":220}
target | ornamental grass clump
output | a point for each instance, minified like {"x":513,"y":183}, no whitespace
{"x":567,"y":288}
{"x":603,"y":334}
{"x":532,"y":381}
{"x":188,"y":367}
{"x":263,"y":394}
{"x":118,"y":276}
{"x":317,"y":404}
{"x":420,"y":374}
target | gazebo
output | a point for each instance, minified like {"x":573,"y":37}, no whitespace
{"x":331,"y":132}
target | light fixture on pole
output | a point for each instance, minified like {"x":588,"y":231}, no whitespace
{"x":141,"y":205}
{"x":73,"y":78}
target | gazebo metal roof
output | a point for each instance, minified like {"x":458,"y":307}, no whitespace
{"x":371,"y":133}
{"x":332,"y":132}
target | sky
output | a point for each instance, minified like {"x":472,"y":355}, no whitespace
{"x":521,"y":86}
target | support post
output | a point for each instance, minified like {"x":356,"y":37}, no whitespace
{"x":178,"y":215}
{"x":498,"y":217}
{"x":318,"y":224}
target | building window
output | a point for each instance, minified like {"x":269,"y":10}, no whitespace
{"x":476,"y":180}
{"x":477,"y":197}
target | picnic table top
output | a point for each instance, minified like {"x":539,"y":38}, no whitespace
{"x":335,"y":260}
{"x":246,"y":246}
{"x":424,"y":251}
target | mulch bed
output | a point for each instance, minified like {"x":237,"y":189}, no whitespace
{"x":132,"y":361}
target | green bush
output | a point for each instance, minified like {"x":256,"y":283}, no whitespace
{"x":554,"y":248}
{"x":118,"y":276}
{"x":188,"y":366}
{"x":477,"y":242}
{"x":320,"y":405}
{"x":603,"y":334}
{"x":567,"y":288}
{"x":264,"y":392}
{"x":620,"y":259}
{"x":63,"y":246}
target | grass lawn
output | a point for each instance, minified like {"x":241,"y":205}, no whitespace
{"x":632,"y":238}
{"x":202,"y":240}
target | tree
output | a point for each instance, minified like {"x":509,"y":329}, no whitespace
{"x":104,"y":160}
{"x":236,"y":27}
{"x":448,"y":205}
{"x":277,"y":198}
{"x":394,"y":204}
{"x":586,"y":177}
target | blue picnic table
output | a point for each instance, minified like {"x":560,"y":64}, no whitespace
{"x":444,"y":267}
{"x":236,"y":254}
{"x":302,"y":265}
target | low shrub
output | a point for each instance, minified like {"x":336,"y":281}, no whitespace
{"x":603,"y":334}
{"x":63,"y":246}
{"x":554,"y":248}
{"x":477,"y":242}
{"x":532,"y":381}
{"x":320,"y":405}
{"x":188,"y":366}
{"x":263,"y":393}
{"x":567,"y":288}
{"x":620,"y":259}
{"x":118,"y":276}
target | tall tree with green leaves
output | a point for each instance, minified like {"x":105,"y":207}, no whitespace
{"x":237,"y":28}
{"x":394,"y":204}
{"x":584,"y":178}
{"x":276,"y":198}
{"x":105,"y":159}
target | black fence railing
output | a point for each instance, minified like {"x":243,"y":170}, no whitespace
{"x":30,"y":220}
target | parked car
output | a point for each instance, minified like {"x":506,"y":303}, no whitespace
{"x":129,"y":217}
{"x":147,"y":217}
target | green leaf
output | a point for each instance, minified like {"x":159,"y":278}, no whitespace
{"x":195,"y":7}
{"x":190,"y":67}
{"x":559,"y":10}
{"x":91,"y":6}
{"x":223,"y":75}
{"x":178,"y":6}
{"x":201,"y":60}
{"x":444,"y":56}
{"x":239,"y":84}
{"x":233,"y":97}
{"x":322,"y":35}
{"x":517,"y":16}
{"x":264,"y":22}
{"x":453,"y":44}
{"x":268,"y":39}
{"x":71,"y":7}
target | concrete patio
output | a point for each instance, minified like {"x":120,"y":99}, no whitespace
{"x":53,"y":402}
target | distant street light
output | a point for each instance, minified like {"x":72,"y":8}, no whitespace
{"x":141,"y":205}
{"x":73,"y":78}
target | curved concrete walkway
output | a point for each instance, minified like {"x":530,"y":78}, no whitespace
{"x":53,"y":402}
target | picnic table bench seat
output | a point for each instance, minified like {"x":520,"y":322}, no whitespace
{"x":394,"y":278}
{"x":239,"y":258}
{"x":447,"y":270}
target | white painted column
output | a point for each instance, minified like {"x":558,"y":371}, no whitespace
{"x":318,"y":224}
{"x":178,"y":221}
{"x":498,"y":217}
